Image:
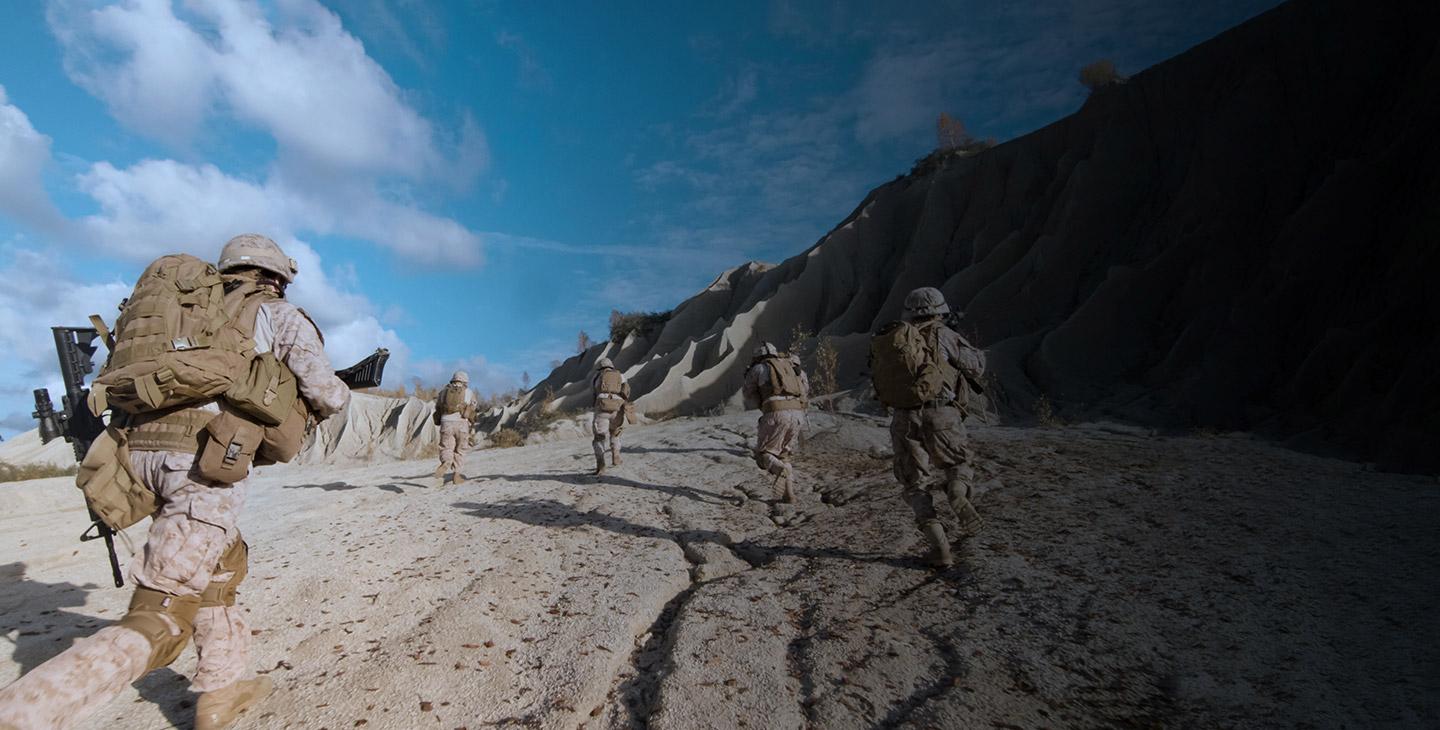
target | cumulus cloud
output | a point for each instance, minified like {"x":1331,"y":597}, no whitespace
{"x":291,"y":70}
{"x":24,"y":154}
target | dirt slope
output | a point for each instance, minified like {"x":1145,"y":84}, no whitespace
{"x":1123,"y":579}
{"x":1241,"y":237}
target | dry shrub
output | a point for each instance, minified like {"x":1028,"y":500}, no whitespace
{"x":386,"y":392}
{"x":1099,"y":74}
{"x":507,"y":438}
{"x":622,"y":324}
{"x":801,"y":340}
{"x":540,"y":415}
{"x":23,"y":472}
{"x":1045,"y":413}
{"x":827,"y":370}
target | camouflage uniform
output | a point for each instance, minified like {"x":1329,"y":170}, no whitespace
{"x":778,"y":431}
{"x":607,"y":425}
{"x":194,"y":526}
{"x":455,"y":429}
{"x":932,"y":439}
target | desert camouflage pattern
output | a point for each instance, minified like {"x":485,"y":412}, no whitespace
{"x":298,"y":344}
{"x":190,"y":532}
{"x":932,"y":442}
{"x":454,"y":441}
{"x":83,"y":679}
{"x":607,"y":428}
{"x":779,"y":432}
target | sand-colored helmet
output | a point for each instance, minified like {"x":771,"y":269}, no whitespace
{"x":460,"y":376}
{"x":604,"y":363}
{"x":925,"y":302}
{"x":766,"y":350}
{"x":253,"y":249}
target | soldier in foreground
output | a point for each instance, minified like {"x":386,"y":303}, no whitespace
{"x":455,"y":411}
{"x":612,"y":398}
{"x":920,"y":368}
{"x":777,"y":385}
{"x":187,"y":458}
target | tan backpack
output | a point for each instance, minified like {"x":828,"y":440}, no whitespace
{"x":610,"y":382}
{"x":907,"y":366}
{"x":181,"y":339}
{"x":784,"y":378}
{"x":452,"y":399}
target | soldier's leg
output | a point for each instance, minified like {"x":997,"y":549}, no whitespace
{"x":222,"y":645}
{"x":447,"y":449}
{"x":600,"y":426}
{"x":617,"y":427}
{"x":948,"y":444}
{"x":186,"y":539}
{"x":77,"y":682}
{"x":912,"y":470}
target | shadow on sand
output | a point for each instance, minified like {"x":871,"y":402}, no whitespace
{"x":32,"y":619}
{"x":549,"y":513}
{"x":345,"y":487}
{"x":586,"y":480}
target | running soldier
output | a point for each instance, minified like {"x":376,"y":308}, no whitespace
{"x":455,"y":411}
{"x":777,"y":385}
{"x":612,"y":400}
{"x":194,"y":557}
{"x":920,"y":368}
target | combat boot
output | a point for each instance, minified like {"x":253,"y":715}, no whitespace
{"x":440,"y":473}
{"x":219,"y":709}
{"x":787,"y":481}
{"x":599,"y":465}
{"x":939,"y":555}
{"x":615,"y":456}
{"x":457,"y":479}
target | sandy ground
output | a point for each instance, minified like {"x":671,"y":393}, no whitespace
{"x":1122,"y":580}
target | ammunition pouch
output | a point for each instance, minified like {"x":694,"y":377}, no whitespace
{"x":228,"y":447}
{"x":147,"y":617}
{"x":267,"y":392}
{"x":607,"y":403}
{"x":281,"y":443}
{"x":112,"y":490}
{"x":630,"y":416}
{"x":236,"y":562}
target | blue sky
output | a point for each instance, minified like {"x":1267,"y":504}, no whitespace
{"x":471,"y":184}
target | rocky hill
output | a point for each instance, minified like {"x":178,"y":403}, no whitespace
{"x":1241,"y":237}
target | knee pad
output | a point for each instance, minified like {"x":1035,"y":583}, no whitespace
{"x":236,"y":562}
{"x":149,"y":609}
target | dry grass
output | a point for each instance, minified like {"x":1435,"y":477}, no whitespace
{"x":19,"y":473}
{"x":507,"y":438}
{"x":827,"y":371}
{"x":1045,"y":413}
{"x":1100,"y":74}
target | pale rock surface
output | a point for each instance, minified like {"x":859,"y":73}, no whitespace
{"x":1121,"y":580}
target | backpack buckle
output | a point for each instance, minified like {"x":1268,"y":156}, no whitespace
{"x":181,"y":343}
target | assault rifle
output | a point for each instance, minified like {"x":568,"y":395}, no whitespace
{"x":367,"y":373}
{"x":952,"y":320}
{"x":74,"y":421}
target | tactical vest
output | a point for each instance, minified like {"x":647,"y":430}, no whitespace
{"x":908,"y":366}
{"x":453,"y":398}
{"x":784,"y":390}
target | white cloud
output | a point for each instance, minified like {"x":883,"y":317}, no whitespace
{"x":293,"y":72}
{"x":24,"y":154}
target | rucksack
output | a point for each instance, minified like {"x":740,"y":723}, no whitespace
{"x":907,"y":366}
{"x":784,"y":378}
{"x":452,"y":399}
{"x":180,"y":339}
{"x":610,"y":382}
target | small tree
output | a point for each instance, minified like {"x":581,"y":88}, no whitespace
{"x":1099,"y":74}
{"x":950,"y":133}
{"x":827,"y":369}
{"x":525,"y":380}
{"x":801,"y":338}
{"x":582,"y":343}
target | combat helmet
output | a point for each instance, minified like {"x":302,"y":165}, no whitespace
{"x":460,"y":376}
{"x":766,"y":350}
{"x":253,"y":249}
{"x":927,"y":301}
{"x":604,"y":363}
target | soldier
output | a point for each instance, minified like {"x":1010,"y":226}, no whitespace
{"x":612,"y":397}
{"x":920,"y":367}
{"x":455,"y":411}
{"x":778,"y":387}
{"x":194,"y":557}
